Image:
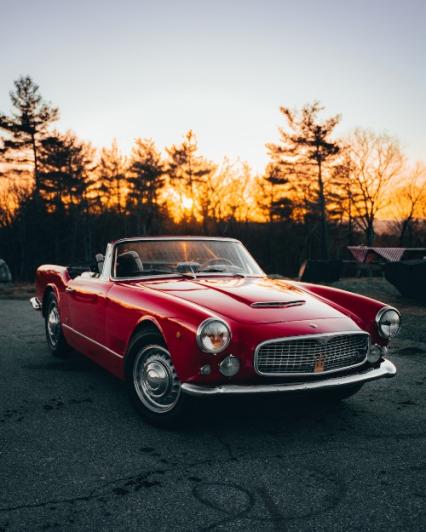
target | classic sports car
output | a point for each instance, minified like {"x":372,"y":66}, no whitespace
{"x":185,"y":317}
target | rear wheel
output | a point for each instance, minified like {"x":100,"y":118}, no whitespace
{"x":153,"y":382}
{"x":54,"y":335}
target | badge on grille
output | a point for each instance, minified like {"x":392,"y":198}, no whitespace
{"x":319,"y":364}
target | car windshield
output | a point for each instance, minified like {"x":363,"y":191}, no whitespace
{"x":182,"y":257}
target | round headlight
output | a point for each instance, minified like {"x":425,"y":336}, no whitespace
{"x":388,"y":322}
{"x":213,"y":335}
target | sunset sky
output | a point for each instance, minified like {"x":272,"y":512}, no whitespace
{"x":156,"y":69}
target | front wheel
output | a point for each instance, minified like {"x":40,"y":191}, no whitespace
{"x":54,"y":335}
{"x":153,"y":382}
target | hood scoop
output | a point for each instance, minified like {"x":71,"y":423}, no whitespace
{"x":278,"y":304}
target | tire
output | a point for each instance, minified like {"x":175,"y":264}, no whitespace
{"x":54,"y":334}
{"x":152,"y":381}
{"x":340,"y":394}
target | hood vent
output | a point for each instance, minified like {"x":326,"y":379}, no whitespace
{"x":278,"y":304}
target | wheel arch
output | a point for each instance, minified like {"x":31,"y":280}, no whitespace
{"x":50,"y":289}
{"x":151,"y":328}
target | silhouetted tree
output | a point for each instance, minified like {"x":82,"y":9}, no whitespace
{"x":145,"y":179}
{"x":110,"y":185}
{"x":409,"y":205}
{"x":26,"y":127}
{"x":185,"y":169}
{"x":273,"y":197}
{"x":65,"y":170}
{"x":377,"y":162}
{"x":306,"y":142}
{"x":343,"y":194}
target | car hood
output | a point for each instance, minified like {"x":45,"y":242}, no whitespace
{"x":249,"y":300}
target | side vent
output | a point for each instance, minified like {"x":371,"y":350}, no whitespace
{"x":278,"y":304}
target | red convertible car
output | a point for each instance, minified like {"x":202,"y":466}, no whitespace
{"x":186,"y":317}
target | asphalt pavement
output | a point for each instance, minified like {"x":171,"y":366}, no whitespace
{"x":75,"y":455}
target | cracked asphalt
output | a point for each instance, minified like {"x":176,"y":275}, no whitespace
{"x":75,"y":455}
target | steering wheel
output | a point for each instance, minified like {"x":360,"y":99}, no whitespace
{"x":218,"y":261}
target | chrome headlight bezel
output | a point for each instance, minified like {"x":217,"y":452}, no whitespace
{"x":199,"y":335}
{"x":379,"y":317}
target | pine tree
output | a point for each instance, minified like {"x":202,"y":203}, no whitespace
{"x":274,"y":199}
{"x":186,"y":169}
{"x":26,"y":127}
{"x":145,"y":179}
{"x":304,"y":150}
{"x":65,"y":164}
{"x":65,"y":167}
{"x":110,"y":185}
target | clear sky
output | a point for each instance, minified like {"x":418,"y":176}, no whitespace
{"x":128,"y":68}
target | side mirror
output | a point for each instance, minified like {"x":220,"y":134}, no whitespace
{"x":100,"y":261}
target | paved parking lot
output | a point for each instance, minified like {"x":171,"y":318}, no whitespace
{"x":74,"y":454}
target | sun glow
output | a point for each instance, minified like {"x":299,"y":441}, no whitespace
{"x":179,"y":204}
{"x":187,"y":203}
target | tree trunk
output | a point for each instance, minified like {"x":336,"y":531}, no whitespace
{"x":369,"y":233}
{"x":323,"y":214}
{"x":36,"y":172}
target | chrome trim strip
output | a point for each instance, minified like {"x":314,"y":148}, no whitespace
{"x":277,"y":304}
{"x":379,"y":317}
{"x":386,"y":370}
{"x":91,"y":340}
{"x":308,"y":337}
{"x":177,"y":237}
{"x":35,"y":303}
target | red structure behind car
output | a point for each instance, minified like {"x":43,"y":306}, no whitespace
{"x":186,"y":317}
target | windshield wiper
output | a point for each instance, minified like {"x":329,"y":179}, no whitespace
{"x":155,"y":271}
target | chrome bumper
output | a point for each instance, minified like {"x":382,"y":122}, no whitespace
{"x":386,"y":369}
{"x":35,"y":303}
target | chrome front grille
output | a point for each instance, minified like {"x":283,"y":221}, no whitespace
{"x":312,"y":354}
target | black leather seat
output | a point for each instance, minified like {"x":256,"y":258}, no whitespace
{"x":129,"y":264}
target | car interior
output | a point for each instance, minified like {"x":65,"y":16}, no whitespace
{"x":128,"y":264}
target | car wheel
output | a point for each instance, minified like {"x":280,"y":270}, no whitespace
{"x":54,"y":335}
{"x":153,"y":382}
{"x":340,"y":394}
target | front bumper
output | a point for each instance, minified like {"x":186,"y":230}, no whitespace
{"x":35,"y":303}
{"x":386,"y":369}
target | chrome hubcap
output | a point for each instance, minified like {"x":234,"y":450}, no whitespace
{"x":155,"y":379}
{"x":53,"y":325}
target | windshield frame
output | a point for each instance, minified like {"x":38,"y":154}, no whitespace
{"x":178,"y":275}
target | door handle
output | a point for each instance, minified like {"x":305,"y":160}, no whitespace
{"x":69,"y":289}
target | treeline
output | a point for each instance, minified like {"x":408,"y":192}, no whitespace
{"x":61,"y":200}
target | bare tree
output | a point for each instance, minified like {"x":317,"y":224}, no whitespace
{"x":409,"y":203}
{"x":377,"y":162}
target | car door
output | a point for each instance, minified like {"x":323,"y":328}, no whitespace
{"x":87,"y":300}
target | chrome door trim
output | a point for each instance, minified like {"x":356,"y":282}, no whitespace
{"x":91,"y":340}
